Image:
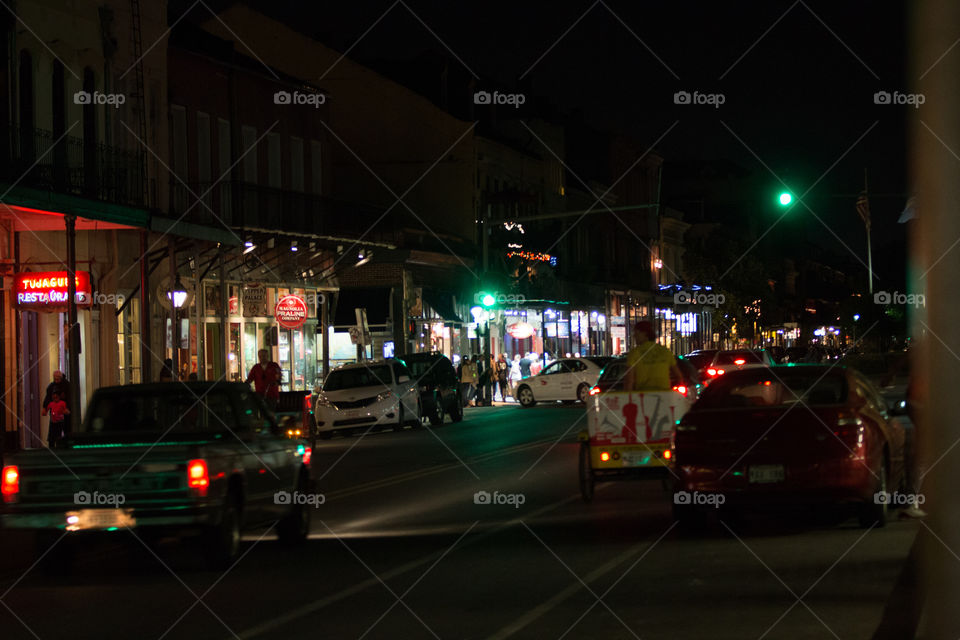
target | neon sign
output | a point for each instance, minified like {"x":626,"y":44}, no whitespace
{"x":47,"y":290}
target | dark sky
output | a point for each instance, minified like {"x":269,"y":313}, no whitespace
{"x":797,"y":79}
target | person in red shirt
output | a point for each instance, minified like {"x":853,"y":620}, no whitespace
{"x":266,"y":377}
{"x":59,"y":428}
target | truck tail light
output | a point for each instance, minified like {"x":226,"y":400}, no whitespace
{"x":594,"y":390}
{"x":198,"y":476}
{"x":10,"y":483}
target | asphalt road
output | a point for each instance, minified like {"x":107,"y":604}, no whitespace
{"x":400,"y":549}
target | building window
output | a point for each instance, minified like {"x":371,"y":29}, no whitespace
{"x":296,"y":164}
{"x":274,"y":161}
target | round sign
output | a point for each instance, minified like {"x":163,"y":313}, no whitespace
{"x":291,"y":312}
{"x":520,"y":330}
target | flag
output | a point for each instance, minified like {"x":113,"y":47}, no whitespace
{"x":909,"y":211}
{"x":863,"y":208}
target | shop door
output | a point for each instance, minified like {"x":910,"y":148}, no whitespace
{"x":32,"y":393}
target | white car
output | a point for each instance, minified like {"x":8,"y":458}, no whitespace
{"x":568,"y":379}
{"x":365,"y":395}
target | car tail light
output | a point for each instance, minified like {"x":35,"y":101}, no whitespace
{"x":739,"y":361}
{"x":594,"y":390}
{"x":849,"y":430}
{"x":198,"y":477}
{"x":308,"y":402}
{"x":715,"y":372}
{"x":681,"y":389}
{"x":10,"y":483}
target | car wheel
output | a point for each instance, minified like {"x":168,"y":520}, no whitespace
{"x":456,"y":411}
{"x":223,"y":540}
{"x":587,"y":479}
{"x":525,"y":397}
{"x":583,"y":393}
{"x":400,"y":419}
{"x":873,"y":512}
{"x":436,"y":416}
{"x":294,"y":528}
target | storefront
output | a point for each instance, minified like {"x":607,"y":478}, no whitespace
{"x":553,"y":330}
{"x":281,"y":319}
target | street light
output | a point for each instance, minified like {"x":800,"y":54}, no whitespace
{"x":178,"y":294}
{"x":785,"y":198}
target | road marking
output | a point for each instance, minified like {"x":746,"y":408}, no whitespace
{"x":307,"y":609}
{"x":429,"y":471}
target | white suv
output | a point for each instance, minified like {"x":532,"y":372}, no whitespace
{"x":365,"y":395}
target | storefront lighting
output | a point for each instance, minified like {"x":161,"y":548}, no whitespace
{"x":602,"y":318}
{"x":658,"y":263}
{"x":593,"y":314}
{"x":293,"y":245}
{"x":248,"y":244}
{"x":178,"y":294}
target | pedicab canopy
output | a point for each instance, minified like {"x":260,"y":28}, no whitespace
{"x":634,"y":417}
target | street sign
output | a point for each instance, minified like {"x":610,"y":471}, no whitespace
{"x":291,"y":312}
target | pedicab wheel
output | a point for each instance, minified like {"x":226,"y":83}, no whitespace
{"x":586,"y":473}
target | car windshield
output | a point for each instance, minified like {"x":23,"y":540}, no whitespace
{"x":377,"y":375}
{"x":761,"y":388}
{"x":168,"y":411}
{"x":748,"y":357}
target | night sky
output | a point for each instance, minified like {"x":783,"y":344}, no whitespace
{"x":797,"y":79}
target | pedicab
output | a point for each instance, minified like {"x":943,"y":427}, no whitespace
{"x":628,"y":435}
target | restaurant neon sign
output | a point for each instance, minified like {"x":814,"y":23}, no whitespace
{"x":48,"y":290}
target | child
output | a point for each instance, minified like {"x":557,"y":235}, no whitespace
{"x":58,"y":422}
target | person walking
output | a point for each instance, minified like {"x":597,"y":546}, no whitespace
{"x":266,"y":376}
{"x":524,"y":365}
{"x":503,"y":369}
{"x":650,"y":366}
{"x":467,"y":377}
{"x":61,"y":389}
{"x":59,"y":427}
{"x":514,"y":375}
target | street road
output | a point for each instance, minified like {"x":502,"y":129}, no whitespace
{"x":400,"y":549}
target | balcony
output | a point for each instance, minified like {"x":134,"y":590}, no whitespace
{"x":71,"y":165}
{"x":242,"y":205}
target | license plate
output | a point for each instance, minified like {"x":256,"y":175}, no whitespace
{"x":636,"y":458}
{"x":85,"y":519}
{"x":766,"y":473}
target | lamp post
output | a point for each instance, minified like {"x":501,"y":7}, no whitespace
{"x":177,"y":296}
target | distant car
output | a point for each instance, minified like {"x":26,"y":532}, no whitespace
{"x":735,"y":359}
{"x":363,"y":395}
{"x":611,"y":378}
{"x":701,"y":358}
{"x":438,"y":385}
{"x":790,"y":434}
{"x":568,"y":379}
{"x":294,"y":414}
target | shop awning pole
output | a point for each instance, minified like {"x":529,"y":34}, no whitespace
{"x":74,"y":332}
{"x":145,"y":358}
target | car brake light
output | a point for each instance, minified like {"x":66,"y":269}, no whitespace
{"x":308,"y":400}
{"x":594,"y":390}
{"x":681,"y":389}
{"x":711,"y":372}
{"x":197,"y":475}
{"x":739,"y":361}
{"x":10,"y":484}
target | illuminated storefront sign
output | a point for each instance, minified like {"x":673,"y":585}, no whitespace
{"x":520,"y":330}
{"x":47,"y":290}
{"x":291,"y":312}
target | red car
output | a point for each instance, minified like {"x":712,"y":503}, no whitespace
{"x":790,"y":434}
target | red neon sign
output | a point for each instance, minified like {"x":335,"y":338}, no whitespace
{"x":47,"y":290}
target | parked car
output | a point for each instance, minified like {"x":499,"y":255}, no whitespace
{"x":438,"y":384}
{"x":789,"y":434}
{"x":568,"y":379}
{"x":367,"y":395}
{"x":203,"y":458}
{"x":611,"y":378}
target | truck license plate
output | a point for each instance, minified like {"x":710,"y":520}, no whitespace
{"x":766,"y":473}
{"x":86,"y":519}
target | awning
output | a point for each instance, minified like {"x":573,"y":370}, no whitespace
{"x":376,"y":300}
{"x":442,"y":303}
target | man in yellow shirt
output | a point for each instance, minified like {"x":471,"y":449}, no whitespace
{"x":650,"y":366}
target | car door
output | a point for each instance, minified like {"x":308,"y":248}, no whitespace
{"x":405,"y":387}
{"x":548,"y":382}
{"x":572,"y":374}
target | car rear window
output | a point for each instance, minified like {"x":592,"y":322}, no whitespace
{"x":174,"y":411}
{"x":764,"y":389}
{"x":375,"y":375}
{"x":748,"y":357}
{"x":702,"y":359}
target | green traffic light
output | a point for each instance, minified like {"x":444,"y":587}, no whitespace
{"x":487,"y":300}
{"x":785,"y":198}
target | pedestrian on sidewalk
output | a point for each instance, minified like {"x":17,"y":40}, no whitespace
{"x":503,"y":370}
{"x":468,"y":380}
{"x":514,"y":375}
{"x":59,"y":427}
{"x":266,"y":376}
{"x":61,"y":387}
